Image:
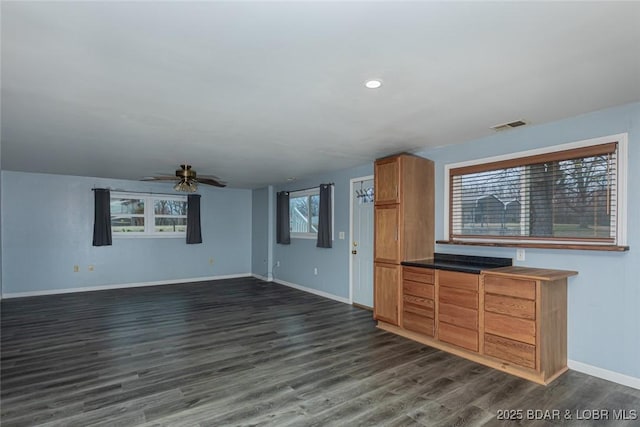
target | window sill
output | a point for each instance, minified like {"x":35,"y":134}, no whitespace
{"x":304,"y":236}
{"x":610,"y":248}
{"x":149,"y":236}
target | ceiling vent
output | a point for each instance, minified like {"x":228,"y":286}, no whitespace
{"x":509,"y":125}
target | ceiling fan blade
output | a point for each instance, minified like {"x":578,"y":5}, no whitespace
{"x":210,"y":181}
{"x":217,"y":178}
{"x":160,"y":178}
{"x":188,"y":175}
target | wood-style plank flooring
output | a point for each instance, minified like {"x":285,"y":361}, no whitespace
{"x":247,"y":352}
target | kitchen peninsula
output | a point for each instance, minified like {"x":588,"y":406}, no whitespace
{"x":510,"y":318}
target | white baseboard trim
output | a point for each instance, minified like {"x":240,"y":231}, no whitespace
{"x":121,"y":286}
{"x":313,"y":291}
{"x":605,"y":374}
{"x":266,"y":279}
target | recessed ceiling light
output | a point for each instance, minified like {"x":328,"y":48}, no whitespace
{"x":291,"y":178}
{"x":373,"y":84}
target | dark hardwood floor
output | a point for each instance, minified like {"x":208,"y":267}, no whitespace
{"x":246,"y":352}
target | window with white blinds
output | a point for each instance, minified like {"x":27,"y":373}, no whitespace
{"x":568,"y":196}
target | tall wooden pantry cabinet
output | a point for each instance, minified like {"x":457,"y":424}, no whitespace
{"x":404,"y":226}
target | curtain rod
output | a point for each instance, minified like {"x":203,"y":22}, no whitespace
{"x":141,"y":192}
{"x":305,"y":189}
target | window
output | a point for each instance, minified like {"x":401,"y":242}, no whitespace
{"x":303,"y":213}
{"x":571,"y":195}
{"x":148,"y":215}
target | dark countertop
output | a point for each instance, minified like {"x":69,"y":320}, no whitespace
{"x":462,"y":263}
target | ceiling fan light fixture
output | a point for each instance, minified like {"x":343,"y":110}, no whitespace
{"x":186,"y":186}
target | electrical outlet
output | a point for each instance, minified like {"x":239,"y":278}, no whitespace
{"x":277,"y":263}
{"x":520,"y":254}
{"x":76,"y":268}
{"x":210,"y":261}
{"x":341,"y":235}
{"x":315,"y":271}
{"x":91,"y":268}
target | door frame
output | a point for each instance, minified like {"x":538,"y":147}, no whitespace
{"x":351,"y":188}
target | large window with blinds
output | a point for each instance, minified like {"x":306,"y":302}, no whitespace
{"x":567,"y":196}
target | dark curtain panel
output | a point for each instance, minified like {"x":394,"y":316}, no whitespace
{"x":102,"y":217}
{"x":194,"y":233}
{"x":283,"y":235}
{"x":324,"y":221}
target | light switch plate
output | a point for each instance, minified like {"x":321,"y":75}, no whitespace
{"x":520,"y":254}
{"x":341,"y":235}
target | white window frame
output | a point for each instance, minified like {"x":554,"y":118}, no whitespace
{"x":149,"y":216}
{"x":313,"y":192}
{"x":621,"y":200}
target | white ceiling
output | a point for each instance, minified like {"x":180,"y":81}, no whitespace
{"x":256,"y":92}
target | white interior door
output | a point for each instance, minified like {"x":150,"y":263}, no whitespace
{"x":362,"y":242}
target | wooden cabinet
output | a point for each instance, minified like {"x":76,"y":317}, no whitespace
{"x":512,"y":318}
{"x":404,"y":224}
{"x":386,"y":293}
{"x":512,"y":287}
{"x":516,"y":307}
{"x":386,"y":238}
{"x":404,"y":210}
{"x":510,"y":327}
{"x":525,"y":320}
{"x":418,"y":305}
{"x":387,"y":180}
{"x":509,"y":350}
{"x":458,"y":309}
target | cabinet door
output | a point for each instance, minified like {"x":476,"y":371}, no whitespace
{"x":387,"y":233}
{"x":387,"y":180}
{"x":386,"y":281}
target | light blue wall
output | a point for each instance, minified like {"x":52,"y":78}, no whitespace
{"x":298,"y":259}
{"x":47,"y":224}
{"x":260,"y":232}
{"x":1,"y":220}
{"x":604,"y":299}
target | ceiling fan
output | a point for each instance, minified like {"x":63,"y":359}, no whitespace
{"x":187,"y":180}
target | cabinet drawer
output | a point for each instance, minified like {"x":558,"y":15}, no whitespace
{"x":418,"y":305}
{"x":516,"y":307}
{"x":418,"y":289}
{"x":510,"y":327}
{"x":512,"y":351}
{"x":518,"y":288}
{"x":459,"y":316}
{"x":416,"y":323}
{"x":458,"y":280}
{"x":462,"y":298}
{"x":456,"y":335}
{"x":416,"y":274}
